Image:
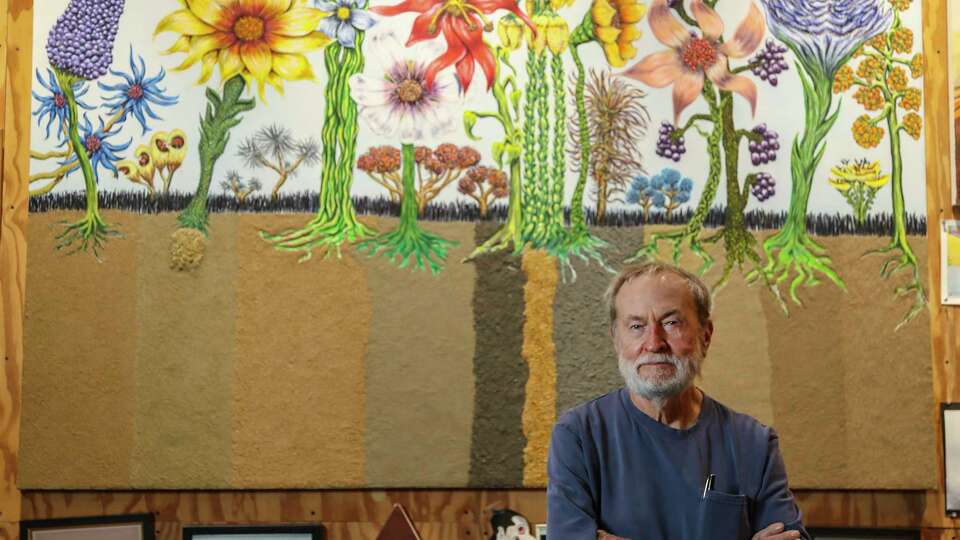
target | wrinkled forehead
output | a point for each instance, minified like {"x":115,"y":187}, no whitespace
{"x":657,"y":294}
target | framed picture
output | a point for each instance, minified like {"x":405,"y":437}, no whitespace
{"x":125,"y":527}
{"x":951,"y":456}
{"x":313,"y":531}
{"x":864,"y":534}
{"x":950,"y":261}
{"x":953,"y":70}
{"x":541,"y":531}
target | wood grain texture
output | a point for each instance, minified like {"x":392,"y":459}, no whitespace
{"x":944,"y":332}
{"x":16,"y":38}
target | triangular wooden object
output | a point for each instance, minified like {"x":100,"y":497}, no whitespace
{"x":398,"y":526}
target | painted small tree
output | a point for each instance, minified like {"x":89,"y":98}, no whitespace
{"x":672,"y":190}
{"x":484,"y":185}
{"x":616,"y":125}
{"x":273,"y":147}
{"x":382,"y":164}
{"x":642,"y":193}
{"x":240,"y":188}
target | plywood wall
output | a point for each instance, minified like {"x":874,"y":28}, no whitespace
{"x":440,"y":514}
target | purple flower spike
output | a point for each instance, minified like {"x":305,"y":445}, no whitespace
{"x":81,"y":41}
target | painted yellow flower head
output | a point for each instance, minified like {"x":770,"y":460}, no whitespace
{"x":160,"y":149}
{"x":849,"y":174}
{"x":510,"y":29}
{"x":260,"y":40}
{"x":552,"y":32}
{"x":614,"y":26}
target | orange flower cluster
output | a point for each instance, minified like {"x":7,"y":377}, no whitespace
{"x":913,"y":124}
{"x":866,"y":134}
{"x":902,"y":40}
{"x":871,"y":98}
{"x":916,"y":66}
{"x":843,"y":80}
{"x":911,"y":99}
{"x":900,"y":5}
{"x":869,"y":68}
{"x":897,"y":79}
{"x":878,"y":42}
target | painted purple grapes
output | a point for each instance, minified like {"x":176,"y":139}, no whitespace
{"x":769,"y":62}
{"x":763,"y":186}
{"x":668,"y":146}
{"x":765,"y":150}
{"x":81,"y":41}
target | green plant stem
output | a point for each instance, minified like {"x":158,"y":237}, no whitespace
{"x":690,"y":233}
{"x":532,"y":168}
{"x":408,"y":242}
{"x":222,"y":115}
{"x":791,"y":250}
{"x":509,"y":232}
{"x":739,"y":245}
{"x":559,"y":171}
{"x":578,"y":222}
{"x":336,"y":220}
{"x":91,"y":231}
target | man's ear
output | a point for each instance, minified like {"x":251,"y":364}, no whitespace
{"x":707,"y":334}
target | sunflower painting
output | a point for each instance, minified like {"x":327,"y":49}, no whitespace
{"x":391,"y":221}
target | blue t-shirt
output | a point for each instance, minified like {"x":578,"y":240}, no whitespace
{"x":612,"y":467}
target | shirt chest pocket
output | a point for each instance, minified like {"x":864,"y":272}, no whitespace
{"x":722,"y":516}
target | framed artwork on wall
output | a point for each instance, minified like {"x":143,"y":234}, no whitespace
{"x":122,"y":527}
{"x":950,"y":262}
{"x":312,"y":531}
{"x":864,"y":534}
{"x":951,"y":456}
{"x":953,"y":66}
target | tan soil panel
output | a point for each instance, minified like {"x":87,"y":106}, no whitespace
{"x":184,"y":360}
{"x":298,"y":375}
{"x":419,"y":366}
{"x":80,"y":338}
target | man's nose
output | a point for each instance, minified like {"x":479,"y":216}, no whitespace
{"x":654,"y":339}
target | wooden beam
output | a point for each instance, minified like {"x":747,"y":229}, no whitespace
{"x":16,"y":45}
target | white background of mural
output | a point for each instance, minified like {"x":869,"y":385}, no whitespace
{"x":301,"y":110}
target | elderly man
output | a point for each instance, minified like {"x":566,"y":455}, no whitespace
{"x":660,"y":459}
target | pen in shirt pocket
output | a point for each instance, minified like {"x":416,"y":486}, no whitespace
{"x":708,"y":485}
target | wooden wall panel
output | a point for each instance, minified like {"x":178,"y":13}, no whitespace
{"x":446,"y":514}
{"x":16,"y":38}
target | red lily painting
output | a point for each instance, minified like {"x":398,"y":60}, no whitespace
{"x":462,"y":23}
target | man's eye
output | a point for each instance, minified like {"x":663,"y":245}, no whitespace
{"x":636,"y":326}
{"x":670,"y":323}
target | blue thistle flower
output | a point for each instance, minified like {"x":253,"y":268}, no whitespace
{"x":686,"y":185}
{"x":346,"y":17}
{"x":100,"y":150}
{"x":81,"y":41}
{"x":823,"y":34}
{"x":136,"y":93}
{"x":54,"y":107}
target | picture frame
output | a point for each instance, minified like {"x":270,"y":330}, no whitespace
{"x":950,"y":262}
{"x":950,"y":420}
{"x":863,"y":534}
{"x":300,"y":531}
{"x":540,"y":530}
{"x":117,"y":527}
{"x":953,"y":74}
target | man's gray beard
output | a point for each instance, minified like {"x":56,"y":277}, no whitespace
{"x":685,"y":370}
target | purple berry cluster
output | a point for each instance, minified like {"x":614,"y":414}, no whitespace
{"x":769,"y":62}
{"x":668,"y":146}
{"x":765,"y":150}
{"x":81,"y":41}
{"x":763,"y":186}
